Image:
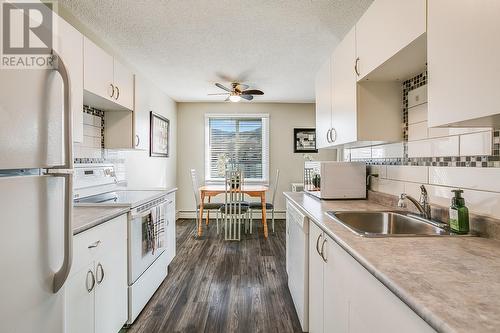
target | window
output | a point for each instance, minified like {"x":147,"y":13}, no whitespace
{"x":237,"y":140}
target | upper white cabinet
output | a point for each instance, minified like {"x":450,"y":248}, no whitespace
{"x":124,"y":85}
{"x":68,"y":43}
{"x":344,"y":91}
{"x":96,"y":292}
{"x":463,"y":60}
{"x":144,"y":104}
{"x":323,"y":89}
{"x":110,"y":84}
{"x":387,"y":45}
{"x":387,"y":27}
{"x":361,"y":113}
{"x":98,"y":70}
{"x":119,"y":130}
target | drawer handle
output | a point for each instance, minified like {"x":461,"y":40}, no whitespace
{"x":99,"y":268}
{"x":317,"y":244}
{"x":323,"y":250}
{"x":89,"y":289}
{"x":94,"y":245}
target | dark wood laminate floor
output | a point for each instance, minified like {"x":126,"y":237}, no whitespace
{"x":219,"y":286}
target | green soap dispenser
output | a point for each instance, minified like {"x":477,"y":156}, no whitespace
{"x":459,"y":214}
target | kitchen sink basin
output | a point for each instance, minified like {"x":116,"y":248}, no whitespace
{"x":389,"y":224}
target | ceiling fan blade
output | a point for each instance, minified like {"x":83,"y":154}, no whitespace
{"x":218,"y":94}
{"x":223,"y":88}
{"x":241,"y":86}
{"x":247,"y":97}
{"x":252,"y":92}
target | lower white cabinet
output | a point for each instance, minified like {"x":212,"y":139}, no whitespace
{"x":345,"y":297}
{"x":316,"y":275}
{"x":96,"y":291}
{"x":287,"y":245}
{"x":297,"y":237}
{"x":79,"y":301}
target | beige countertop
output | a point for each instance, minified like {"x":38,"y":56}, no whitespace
{"x":86,"y":217}
{"x":453,"y":283}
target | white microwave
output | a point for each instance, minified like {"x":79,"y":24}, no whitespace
{"x":335,"y":180}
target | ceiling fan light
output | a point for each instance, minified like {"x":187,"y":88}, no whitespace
{"x":234,"y":98}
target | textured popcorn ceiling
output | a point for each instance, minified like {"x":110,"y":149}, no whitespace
{"x":187,"y":45}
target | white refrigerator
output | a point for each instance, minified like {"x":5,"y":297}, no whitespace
{"x":35,"y":198}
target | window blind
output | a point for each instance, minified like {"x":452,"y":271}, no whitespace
{"x":239,"y":141}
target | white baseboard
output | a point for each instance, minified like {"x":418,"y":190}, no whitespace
{"x":190,"y":214}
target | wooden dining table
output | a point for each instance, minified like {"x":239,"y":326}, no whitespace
{"x":209,"y":191}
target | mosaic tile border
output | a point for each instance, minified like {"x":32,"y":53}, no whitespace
{"x":456,"y":161}
{"x":99,"y":113}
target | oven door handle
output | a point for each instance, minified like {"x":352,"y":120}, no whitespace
{"x":141,"y":215}
{"x":146,"y":212}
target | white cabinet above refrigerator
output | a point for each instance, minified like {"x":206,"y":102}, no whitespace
{"x":68,"y":43}
{"x":108,"y":84}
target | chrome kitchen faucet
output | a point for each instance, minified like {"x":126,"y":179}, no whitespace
{"x":423,"y":206}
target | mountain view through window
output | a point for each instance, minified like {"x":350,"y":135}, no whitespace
{"x":236,"y":142}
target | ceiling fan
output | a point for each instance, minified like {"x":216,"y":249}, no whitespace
{"x":237,"y":92}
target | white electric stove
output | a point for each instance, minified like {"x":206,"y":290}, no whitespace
{"x":97,"y":185}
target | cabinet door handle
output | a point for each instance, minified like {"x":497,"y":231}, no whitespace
{"x":137,"y":140}
{"x":99,"y":268}
{"x":328,"y":136}
{"x":356,"y":67}
{"x":323,"y":250}
{"x":112,"y":93}
{"x":317,"y":244}
{"x":333,"y":135}
{"x":94,"y":245}
{"x":117,"y":93}
{"x":91,"y":287}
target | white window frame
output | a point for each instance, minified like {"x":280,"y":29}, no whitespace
{"x":265,"y":146}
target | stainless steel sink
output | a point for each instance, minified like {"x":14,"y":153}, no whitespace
{"x":389,"y":224}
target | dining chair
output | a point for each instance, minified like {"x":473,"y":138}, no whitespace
{"x":209,"y":206}
{"x":234,"y":209}
{"x":269,"y":206}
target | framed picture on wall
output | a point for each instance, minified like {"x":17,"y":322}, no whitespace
{"x":304,"y":140}
{"x":159,"y":135}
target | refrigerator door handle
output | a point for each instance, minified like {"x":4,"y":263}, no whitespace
{"x":66,"y":172}
{"x":62,"y":274}
{"x":68,"y":114}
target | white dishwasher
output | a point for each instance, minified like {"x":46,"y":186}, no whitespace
{"x":297,"y":261}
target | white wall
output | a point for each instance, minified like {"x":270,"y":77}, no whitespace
{"x":142,"y":170}
{"x":283,"y":118}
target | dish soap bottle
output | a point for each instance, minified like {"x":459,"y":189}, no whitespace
{"x":459,"y":214}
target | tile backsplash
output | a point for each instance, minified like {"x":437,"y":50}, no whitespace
{"x":423,"y":146}
{"x":91,"y":150}
{"x":440,"y":158}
